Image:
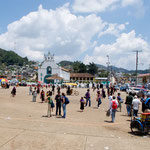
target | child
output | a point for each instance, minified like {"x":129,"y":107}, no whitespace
{"x":82,"y":102}
{"x":98,"y":99}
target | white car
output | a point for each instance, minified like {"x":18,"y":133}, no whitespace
{"x":133,"y":90}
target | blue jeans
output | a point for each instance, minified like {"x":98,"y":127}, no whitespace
{"x":113,"y":115}
{"x":128,"y":109}
{"x":64,"y":110}
{"x":135,"y":112}
{"x":88,"y":100}
{"x":99,"y":102}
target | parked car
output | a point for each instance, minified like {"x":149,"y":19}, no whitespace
{"x":137,"y":90}
{"x":22,"y":83}
{"x":123,"y":88}
{"x":117,"y":87}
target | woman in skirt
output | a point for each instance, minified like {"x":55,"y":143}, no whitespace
{"x":82,"y":102}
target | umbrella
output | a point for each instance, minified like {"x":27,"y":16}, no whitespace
{"x":73,"y":84}
{"x":4,"y":80}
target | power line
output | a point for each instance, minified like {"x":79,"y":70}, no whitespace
{"x":137,"y":52}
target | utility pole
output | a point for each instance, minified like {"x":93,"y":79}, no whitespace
{"x":149,"y":74}
{"x":137,"y":52}
{"x":107,"y":68}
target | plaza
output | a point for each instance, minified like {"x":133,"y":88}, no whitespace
{"x":24,"y":125}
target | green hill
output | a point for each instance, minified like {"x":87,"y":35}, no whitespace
{"x":65,"y":63}
{"x":11,"y":58}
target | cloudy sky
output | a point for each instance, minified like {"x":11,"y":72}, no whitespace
{"x":85,"y":30}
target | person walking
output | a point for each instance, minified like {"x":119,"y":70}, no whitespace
{"x":58,"y":99}
{"x":120,"y":101}
{"x":103,"y":93}
{"x":111,"y":90}
{"x":143,"y":99}
{"x":53,"y":89}
{"x":98,"y":98}
{"x":50,"y":101}
{"x":128,"y":103}
{"x":82,"y":102}
{"x":13,"y":92}
{"x":114,"y":106}
{"x":147,"y":102}
{"x":110,"y":99}
{"x":58,"y":88}
{"x":42,"y":96}
{"x":30,"y":90}
{"x":88,"y":98}
{"x":38,"y":89}
{"x":34,"y":94}
{"x":135,"y":105}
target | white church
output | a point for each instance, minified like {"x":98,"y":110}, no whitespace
{"x":50,"y":72}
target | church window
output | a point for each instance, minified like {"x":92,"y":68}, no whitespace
{"x":49,"y":70}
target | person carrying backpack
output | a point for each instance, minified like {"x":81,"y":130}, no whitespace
{"x":65,"y":101}
{"x":114,"y":106}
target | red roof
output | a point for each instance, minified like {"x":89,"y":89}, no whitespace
{"x":144,"y":75}
{"x":54,"y":77}
{"x":80,"y":75}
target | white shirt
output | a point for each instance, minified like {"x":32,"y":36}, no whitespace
{"x":136,"y":103}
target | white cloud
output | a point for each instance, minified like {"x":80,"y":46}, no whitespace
{"x":114,"y":29}
{"x":137,"y":4}
{"x":58,"y":31}
{"x":88,"y":6}
{"x":131,"y":2}
{"x":92,"y":5}
{"x":120,"y":52}
{"x":69,"y":36}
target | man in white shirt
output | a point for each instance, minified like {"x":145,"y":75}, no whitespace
{"x":135,"y":105}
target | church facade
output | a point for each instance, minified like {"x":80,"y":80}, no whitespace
{"x":50,"y":72}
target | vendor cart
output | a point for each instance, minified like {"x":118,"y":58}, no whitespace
{"x":140,"y":125}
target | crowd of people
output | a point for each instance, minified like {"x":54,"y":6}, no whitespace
{"x":132,"y":101}
{"x":60,"y":98}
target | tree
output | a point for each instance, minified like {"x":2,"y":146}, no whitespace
{"x":82,"y":68}
{"x":92,"y":68}
{"x":103,"y":73}
{"x":76,"y":65}
{"x":126,"y":75}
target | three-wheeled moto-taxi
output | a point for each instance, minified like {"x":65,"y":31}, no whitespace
{"x":141,"y":125}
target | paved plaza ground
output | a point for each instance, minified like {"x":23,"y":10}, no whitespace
{"x":24,"y":125}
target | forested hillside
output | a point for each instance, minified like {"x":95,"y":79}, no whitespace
{"x":11,"y":58}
